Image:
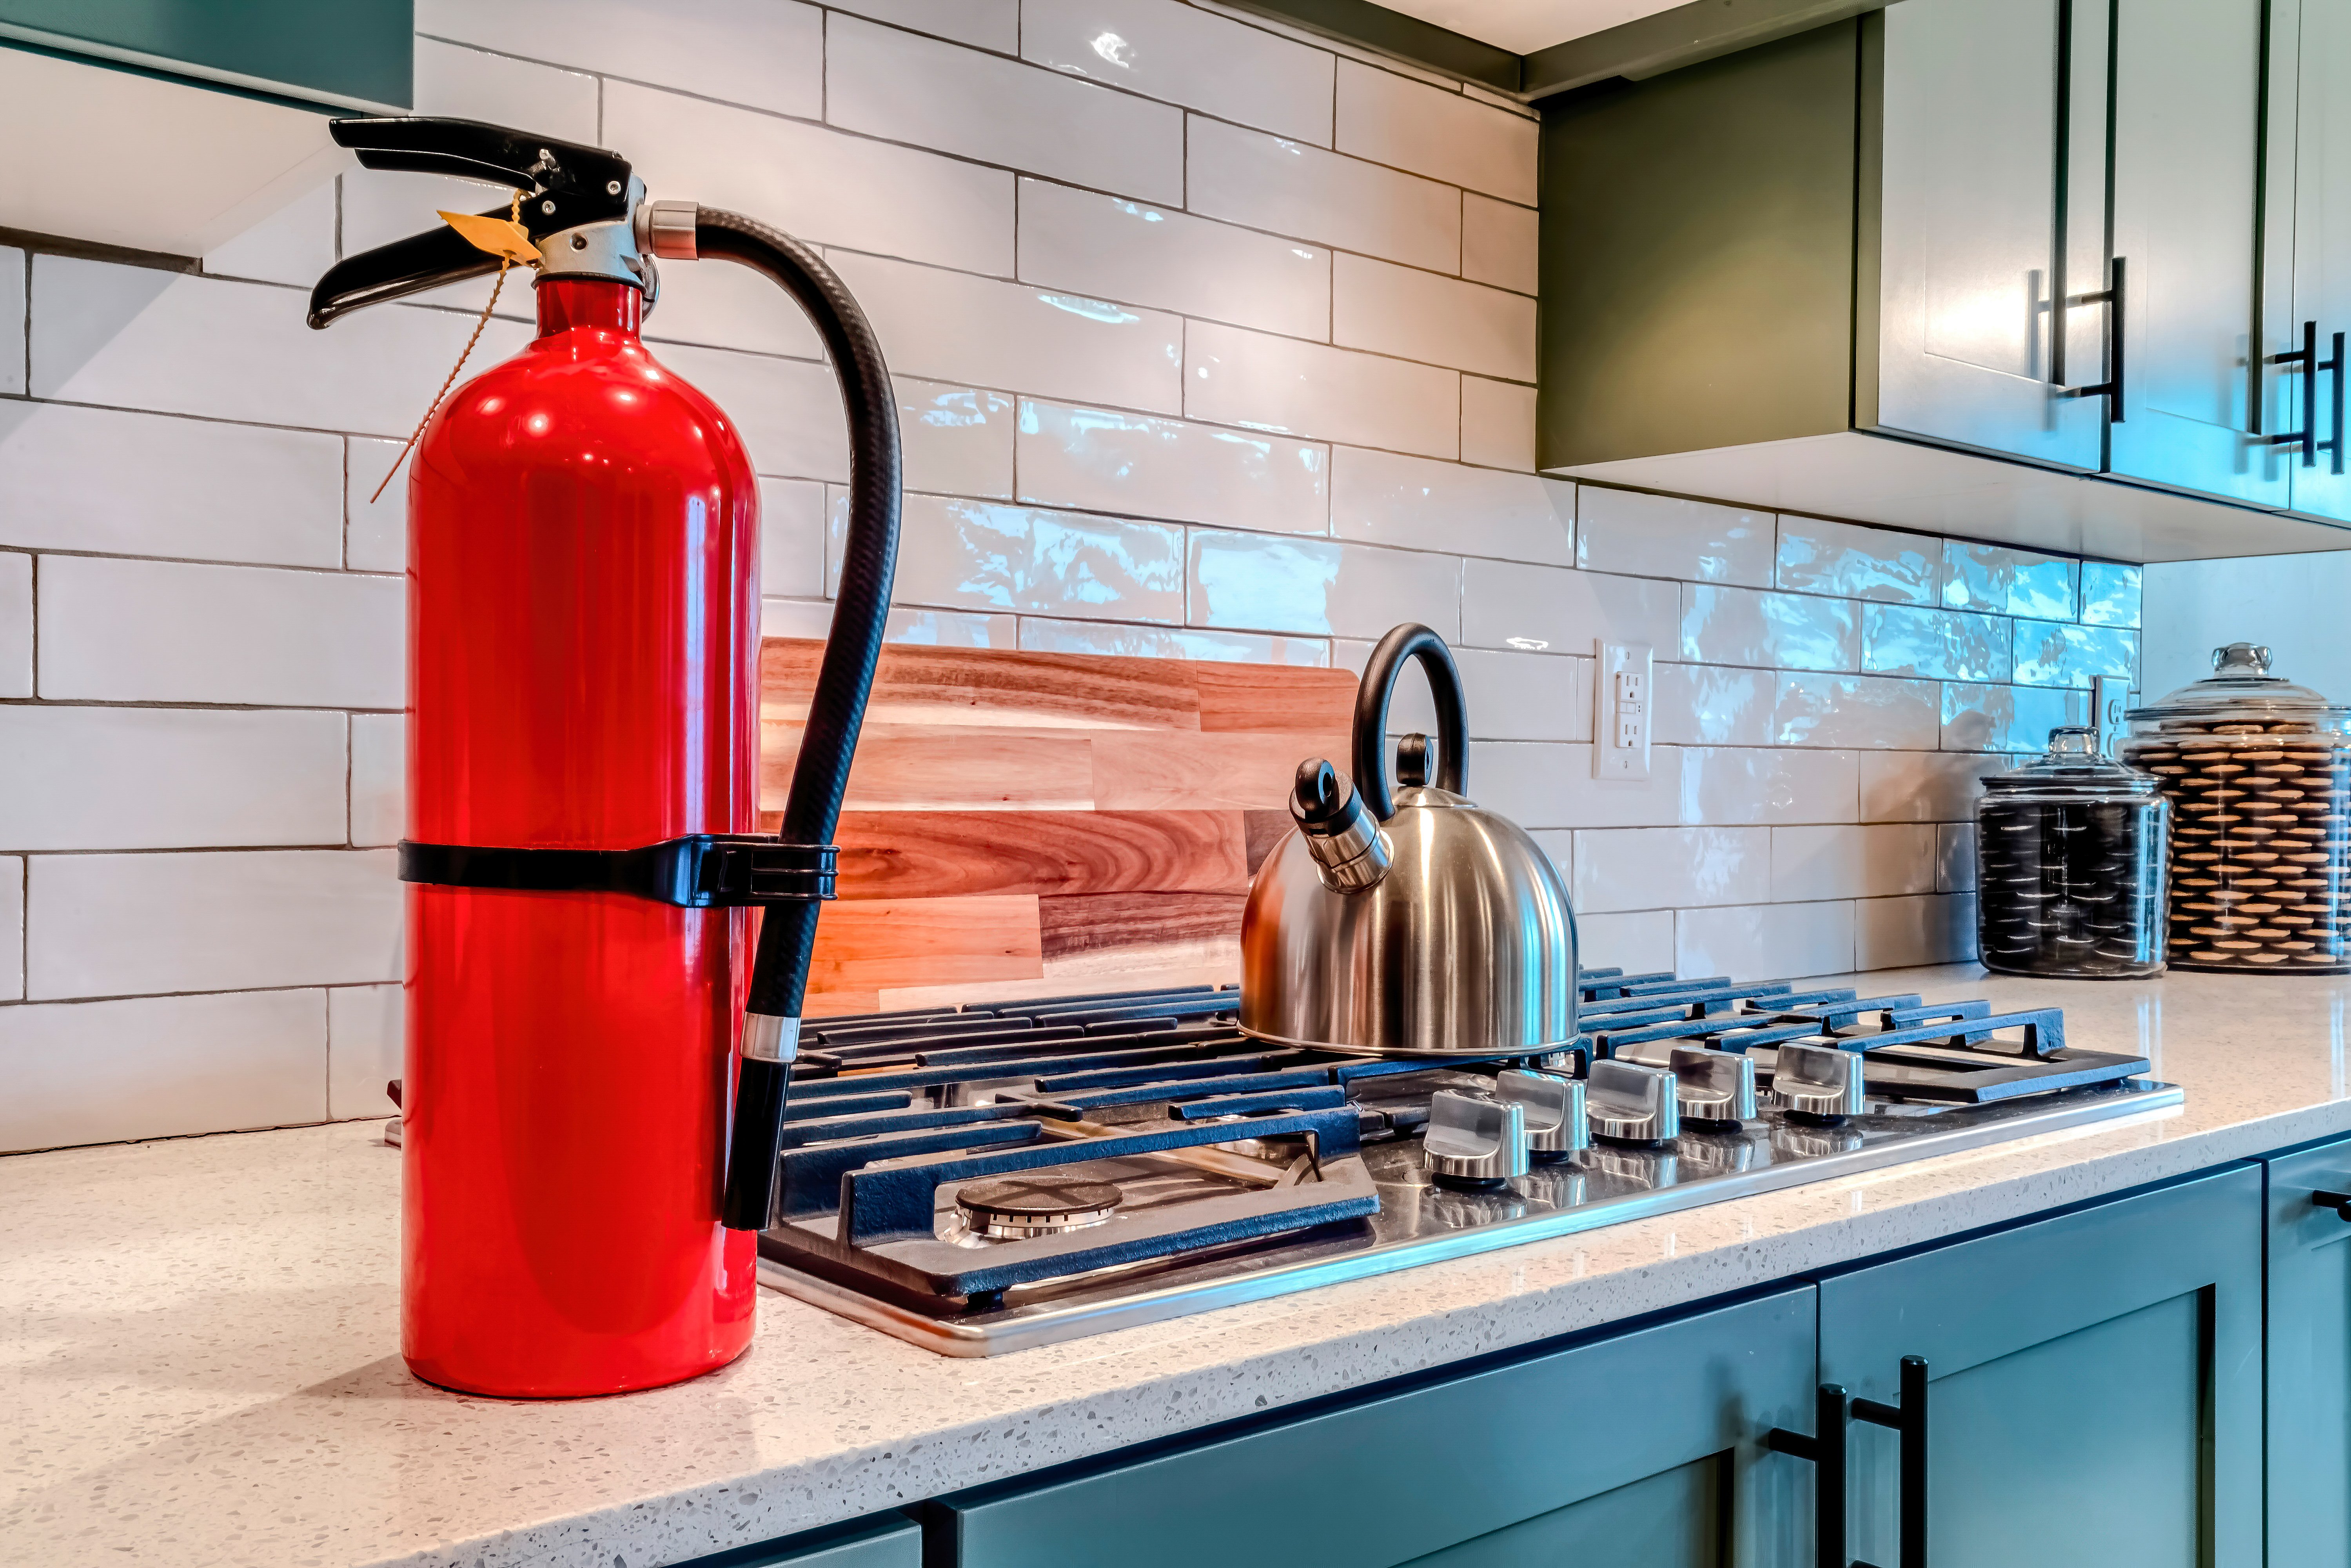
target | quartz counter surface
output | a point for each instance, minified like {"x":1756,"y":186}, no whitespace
{"x":199,"y":1338}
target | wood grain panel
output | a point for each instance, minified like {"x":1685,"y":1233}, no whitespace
{"x":1261,"y":830}
{"x":862,"y":946}
{"x":940,"y":768}
{"x":1280,"y":697}
{"x":1100,"y":921}
{"x":947,"y":855}
{"x":920,"y":684}
{"x":1140,"y":771}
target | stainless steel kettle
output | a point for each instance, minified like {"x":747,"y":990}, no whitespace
{"x":1411,"y":924}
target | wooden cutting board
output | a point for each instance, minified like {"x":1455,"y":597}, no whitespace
{"x":1032,"y":824}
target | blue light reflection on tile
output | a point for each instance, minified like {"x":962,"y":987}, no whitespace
{"x":1896,"y":640}
{"x":2007,"y":718}
{"x":2008,"y":582}
{"x":2110,"y":594}
{"x":1786,"y":631}
{"x":1262,"y":582}
{"x":2057,"y":653}
{"x":1853,"y":562}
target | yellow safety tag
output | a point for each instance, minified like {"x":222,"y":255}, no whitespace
{"x":499,"y":236}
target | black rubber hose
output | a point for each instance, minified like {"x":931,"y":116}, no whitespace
{"x":1409,"y":641}
{"x":860,"y":617}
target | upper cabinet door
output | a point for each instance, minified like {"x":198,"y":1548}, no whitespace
{"x":1991,"y":197}
{"x":2317,"y":58}
{"x":2188,"y":217}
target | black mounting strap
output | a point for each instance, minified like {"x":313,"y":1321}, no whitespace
{"x":700,"y":871}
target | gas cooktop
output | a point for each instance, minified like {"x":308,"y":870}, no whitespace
{"x":980,"y":1179}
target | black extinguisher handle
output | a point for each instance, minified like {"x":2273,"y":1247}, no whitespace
{"x":837,"y":708}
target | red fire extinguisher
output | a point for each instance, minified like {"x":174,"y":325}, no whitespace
{"x":587,"y":1155}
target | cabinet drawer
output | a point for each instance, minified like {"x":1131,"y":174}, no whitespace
{"x":1557,"y":1451}
{"x":2309,"y":1359}
{"x":891,"y":1540}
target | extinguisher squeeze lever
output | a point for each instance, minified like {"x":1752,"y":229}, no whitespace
{"x":586,"y":211}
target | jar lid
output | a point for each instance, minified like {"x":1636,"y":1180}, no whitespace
{"x":2239,"y":687}
{"x":2072,"y":766}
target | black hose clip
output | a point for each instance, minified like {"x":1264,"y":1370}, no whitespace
{"x":700,"y":870}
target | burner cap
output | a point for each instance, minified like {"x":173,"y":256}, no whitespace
{"x":1017,"y":1207}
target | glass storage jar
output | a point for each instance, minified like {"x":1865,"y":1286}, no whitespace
{"x":2258,"y":771}
{"x":2070,"y":865}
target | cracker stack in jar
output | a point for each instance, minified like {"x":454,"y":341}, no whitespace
{"x":2258,"y":771}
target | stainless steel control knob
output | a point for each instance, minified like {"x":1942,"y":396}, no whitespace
{"x":1716,"y":1087}
{"x":1554,"y":1110}
{"x":1473,"y":1141}
{"x":1626,"y":1103}
{"x":1820,"y":1080}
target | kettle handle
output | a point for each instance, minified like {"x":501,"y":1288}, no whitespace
{"x":1409,"y":641}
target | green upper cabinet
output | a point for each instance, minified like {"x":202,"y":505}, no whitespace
{"x":352,"y":55}
{"x":2310,"y":44}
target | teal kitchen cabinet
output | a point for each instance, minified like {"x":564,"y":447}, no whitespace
{"x":1644,"y":1450}
{"x":2092,"y":1392}
{"x":2310,"y":43}
{"x":889,"y":1540}
{"x":2310,"y":1359}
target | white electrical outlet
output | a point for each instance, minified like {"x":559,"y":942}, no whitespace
{"x":1622,"y":713}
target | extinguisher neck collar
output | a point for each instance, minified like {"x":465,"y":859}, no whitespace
{"x":566,"y":303}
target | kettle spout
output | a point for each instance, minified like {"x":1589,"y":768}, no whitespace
{"x":1349,"y":850}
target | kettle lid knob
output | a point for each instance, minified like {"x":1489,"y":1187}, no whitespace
{"x":1417,"y":761}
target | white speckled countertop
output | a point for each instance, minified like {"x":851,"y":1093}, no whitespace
{"x":199,"y":1349}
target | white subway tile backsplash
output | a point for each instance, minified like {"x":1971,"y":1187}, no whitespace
{"x":1703,"y":704}
{"x":1638,"y":943}
{"x":375,"y":529}
{"x":2110,"y":594}
{"x":788,"y":412}
{"x":1930,"y":928}
{"x":77,"y":777}
{"x":507,"y":88}
{"x":15,"y":624}
{"x":2054,"y":653}
{"x":1860,"y":711}
{"x":1744,"y":784}
{"x":1378,"y":590}
{"x":1289,"y":187}
{"x":1955,"y":857}
{"x":1044,"y":636}
{"x":1665,"y":536}
{"x":1950,"y":645}
{"x":2008,"y":718}
{"x":2008,"y":582}
{"x":1238,"y":376}
{"x":792,"y":523}
{"x":108,"y":926}
{"x":905,"y":88}
{"x":1922,"y":787}
{"x":1781,"y":940}
{"x":12,"y":323}
{"x":92,"y":1073}
{"x":1499,"y":243}
{"x":142,"y":630}
{"x":1815,"y":863}
{"x":197,"y":489}
{"x":1262,"y":582}
{"x":1380,"y":497}
{"x":1390,"y":120}
{"x":1498,"y":423}
{"x":764,"y":53}
{"x":1103,"y":460}
{"x":1179,"y":55}
{"x":976,"y":555}
{"x":975,"y":331}
{"x":815,"y":182}
{"x":12,"y":929}
{"x":1671,"y":868}
{"x":958,"y":439}
{"x":952,"y":629}
{"x":1785,"y":630}
{"x":1112,"y":248}
{"x":1415,"y":315}
{"x":1550,"y":608}
{"x":983,"y":24}
{"x":379,"y":779}
{"x":364,"y":1041}
{"x":1820,"y":557}
{"x":1524,"y":697}
{"x":724,"y":306}
{"x":1541,"y":784}
{"x":294,"y":245}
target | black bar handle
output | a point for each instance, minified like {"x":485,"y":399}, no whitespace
{"x":1908,"y":1418}
{"x":1825,"y":1447}
{"x":2333,"y":445}
{"x":2110,"y":388}
{"x":2340,"y":1202}
{"x":2307,"y":437}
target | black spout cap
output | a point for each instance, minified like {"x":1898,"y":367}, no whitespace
{"x":1321,"y":798}
{"x":564,"y":184}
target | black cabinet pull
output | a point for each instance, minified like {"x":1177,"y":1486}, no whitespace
{"x":2110,"y":388}
{"x":2340,"y":1202}
{"x":2312,"y":367}
{"x":1908,"y":1419}
{"x":1826,"y":1449}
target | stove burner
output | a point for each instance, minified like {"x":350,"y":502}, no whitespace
{"x":1017,"y":1208}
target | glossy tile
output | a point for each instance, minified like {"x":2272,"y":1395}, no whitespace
{"x":1378,"y":590}
{"x":1665,"y":536}
{"x":2008,"y":718}
{"x":983,"y":24}
{"x":905,"y":88}
{"x":365,"y":1035}
{"x":797,"y":617}
{"x":379,"y":807}
{"x":161,"y":1067}
{"x":1109,"y":247}
{"x":952,"y":629}
{"x":1498,"y":423}
{"x":1380,"y":497}
{"x":1864,"y":712}
{"x":764,"y":53}
{"x":728,"y":307}
{"x":1947,"y":644}
{"x":1671,"y":868}
{"x":12,"y":323}
{"x":975,"y":331}
{"x":1415,"y":315}
{"x":1897,"y":933}
{"x":1639,"y":944}
{"x":1702,"y":705}
{"x":1816,"y":556}
{"x":1523,"y":696}
{"x":1103,"y":460}
{"x":1955,"y":857}
{"x":2110,"y":594}
{"x":1558,"y":844}
{"x":1734,"y":785}
{"x":1179,"y":55}
{"x":1044,"y":636}
{"x":788,"y":412}
{"x":1745,"y":626}
{"x":1549,"y":784}
{"x":113,"y":926}
{"x":1922,"y":785}
{"x":1499,"y":243}
{"x":792,"y":539}
{"x":74,"y":777}
{"x":958,"y":440}
{"x":1262,"y":582}
{"x":816,"y":182}
{"x":295,"y":244}
{"x":1813,"y":863}
{"x":1280,"y":385}
{"x":2056,"y":653}
{"x":1542,"y":609}
{"x":1790,"y":941}
{"x":1289,"y":187}
{"x":142,"y":630}
{"x":976,"y":555}
{"x":15,"y":624}
{"x":454,"y":79}
{"x":12,"y":929}
{"x":1407,"y":124}
{"x":375,"y":531}
{"x":2008,"y":582}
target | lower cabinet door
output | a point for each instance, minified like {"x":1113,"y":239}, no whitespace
{"x":891,"y":1540}
{"x":2310,"y":1359}
{"x":1642,"y":1451}
{"x":2092,"y":1392}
